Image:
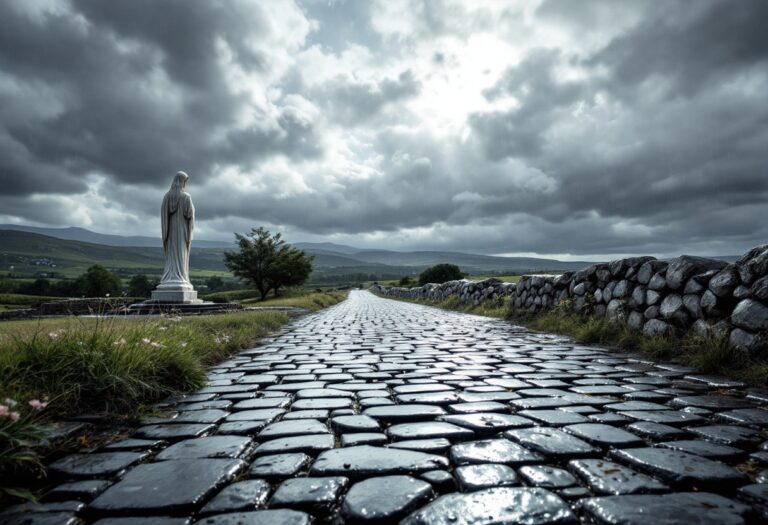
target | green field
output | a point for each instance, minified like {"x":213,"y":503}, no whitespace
{"x":394,"y":282}
{"x":299,"y":298}
{"x":15,"y":301}
{"x":29,"y":255}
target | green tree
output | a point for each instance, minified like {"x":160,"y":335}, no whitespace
{"x":405,"y":281}
{"x":214,"y":283}
{"x":6,"y":286}
{"x":141,"y":286}
{"x":97,"y":281}
{"x":291,"y":267}
{"x":267,"y":262}
{"x":441,"y":273}
{"x":39,"y":286}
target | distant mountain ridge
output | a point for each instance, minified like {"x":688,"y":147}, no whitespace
{"x":73,"y":233}
{"x":76,"y":247}
{"x":330,"y":257}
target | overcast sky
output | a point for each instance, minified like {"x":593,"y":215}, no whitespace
{"x":567,"y":128}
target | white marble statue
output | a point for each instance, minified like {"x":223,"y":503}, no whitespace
{"x":177,"y":216}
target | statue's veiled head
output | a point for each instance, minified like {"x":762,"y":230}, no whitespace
{"x":179,"y":181}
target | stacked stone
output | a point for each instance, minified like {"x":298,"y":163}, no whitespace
{"x":474,"y":292}
{"x":655,"y":296}
{"x":543,"y":292}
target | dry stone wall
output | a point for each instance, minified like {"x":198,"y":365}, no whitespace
{"x":658,"y":297}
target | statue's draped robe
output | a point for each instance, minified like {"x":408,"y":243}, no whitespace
{"x":178,"y":218}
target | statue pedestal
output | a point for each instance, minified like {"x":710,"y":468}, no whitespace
{"x":175,"y":293}
{"x":176,"y":296}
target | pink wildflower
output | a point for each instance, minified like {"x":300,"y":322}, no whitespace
{"x":37,"y":404}
{"x":15,"y":416}
{"x":4,"y":411}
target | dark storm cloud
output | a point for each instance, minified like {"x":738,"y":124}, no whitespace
{"x":542,"y":98}
{"x":611,"y":127}
{"x":690,"y":46}
{"x":353,"y":102}
{"x":685,"y":133}
{"x":140,"y":92}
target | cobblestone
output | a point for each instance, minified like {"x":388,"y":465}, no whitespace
{"x":376,"y":411}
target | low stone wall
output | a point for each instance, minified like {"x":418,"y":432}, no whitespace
{"x":474,"y":292}
{"x":655,"y":296}
{"x":83,"y":306}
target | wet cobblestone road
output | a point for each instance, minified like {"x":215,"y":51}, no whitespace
{"x":376,"y":411}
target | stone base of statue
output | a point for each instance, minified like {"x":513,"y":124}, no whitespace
{"x":179,"y":298}
{"x":152,"y":307}
{"x":175,"y":293}
{"x":176,"y":296}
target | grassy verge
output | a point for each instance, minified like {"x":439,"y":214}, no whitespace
{"x":119,"y":365}
{"x":710,"y":354}
{"x":310,"y":301}
{"x":230,"y":296}
{"x":707,"y":354}
{"x":25,"y":300}
{"x":14,"y":301}
{"x":300,"y":298}
{"x":500,"y":310}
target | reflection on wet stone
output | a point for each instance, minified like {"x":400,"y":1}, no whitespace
{"x":375,"y":411}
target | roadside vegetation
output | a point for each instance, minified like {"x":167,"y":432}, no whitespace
{"x":116,"y":367}
{"x":299,"y":299}
{"x":411,"y":281}
{"x":710,"y":354}
{"x":296,"y":297}
{"x":498,"y":310}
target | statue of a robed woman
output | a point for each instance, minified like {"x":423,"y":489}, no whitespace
{"x":177,"y":216}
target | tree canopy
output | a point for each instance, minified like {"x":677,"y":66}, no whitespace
{"x":97,"y":281}
{"x":441,"y":273}
{"x":141,"y":286}
{"x":267,"y":262}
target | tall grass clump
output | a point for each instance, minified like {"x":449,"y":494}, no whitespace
{"x":498,"y":308}
{"x":101,"y":368}
{"x":118,"y":365}
{"x":709,"y":353}
{"x":114,"y":367}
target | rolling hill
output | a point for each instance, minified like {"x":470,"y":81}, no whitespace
{"x":83,"y":235}
{"x":33,"y":253}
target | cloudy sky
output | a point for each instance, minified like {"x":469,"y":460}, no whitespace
{"x":568,"y":128}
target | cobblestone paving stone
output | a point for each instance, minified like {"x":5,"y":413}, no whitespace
{"x":376,"y":411}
